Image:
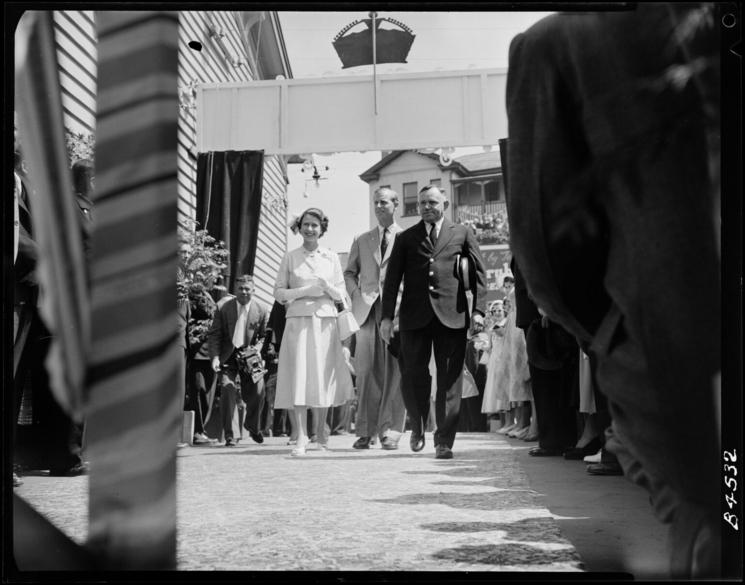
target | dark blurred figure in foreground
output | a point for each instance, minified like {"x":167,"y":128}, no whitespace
{"x":53,"y":441}
{"x":612,"y":211}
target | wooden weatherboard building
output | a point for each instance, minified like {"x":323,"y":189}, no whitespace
{"x":214,"y":47}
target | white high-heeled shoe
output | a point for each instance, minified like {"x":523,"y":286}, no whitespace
{"x":507,"y":428}
{"x":299,"y":450}
{"x":515,"y":432}
{"x":521,"y":434}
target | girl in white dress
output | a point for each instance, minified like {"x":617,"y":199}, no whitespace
{"x":494,"y":401}
{"x":312,"y":371}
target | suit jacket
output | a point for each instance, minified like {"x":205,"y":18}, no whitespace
{"x":431,"y":287}
{"x":220,"y":335}
{"x":365,"y":272}
{"x":602,"y":153}
{"x":28,"y":250}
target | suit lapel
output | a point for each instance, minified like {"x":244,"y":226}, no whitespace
{"x":374,"y":242}
{"x":422,"y":233}
{"x":232,"y":315}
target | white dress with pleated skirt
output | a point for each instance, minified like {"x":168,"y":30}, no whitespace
{"x":312,"y":370}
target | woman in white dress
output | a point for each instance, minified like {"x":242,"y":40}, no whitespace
{"x":312,"y":372}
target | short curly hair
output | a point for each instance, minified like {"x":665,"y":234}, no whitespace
{"x":318,"y":214}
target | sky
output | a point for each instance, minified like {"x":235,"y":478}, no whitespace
{"x":444,"y":41}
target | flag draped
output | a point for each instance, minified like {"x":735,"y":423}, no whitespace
{"x":134,"y":409}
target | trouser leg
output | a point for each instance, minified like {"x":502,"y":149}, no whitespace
{"x":392,"y":411}
{"x":369,"y":372}
{"x":228,"y":401}
{"x":660,"y":450}
{"x":253,"y":398}
{"x":416,"y":382}
{"x":450,"y":353}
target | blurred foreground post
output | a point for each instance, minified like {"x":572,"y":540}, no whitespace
{"x":134,"y":410}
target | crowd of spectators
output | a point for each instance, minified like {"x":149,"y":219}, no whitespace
{"x":489,"y":228}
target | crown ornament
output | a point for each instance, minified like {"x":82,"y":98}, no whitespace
{"x":356,"y":48}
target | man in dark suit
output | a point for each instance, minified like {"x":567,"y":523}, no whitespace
{"x":54,"y":441}
{"x":610,"y":200}
{"x":239,"y":326}
{"x":433,"y":313}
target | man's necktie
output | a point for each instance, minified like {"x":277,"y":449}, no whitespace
{"x":433,"y":234}
{"x":384,"y":243}
{"x":239,"y":335}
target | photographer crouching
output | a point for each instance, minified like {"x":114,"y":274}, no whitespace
{"x":234,"y":342}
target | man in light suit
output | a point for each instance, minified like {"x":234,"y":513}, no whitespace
{"x":239,"y":323}
{"x":380,"y":405}
{"x":433,"y":312}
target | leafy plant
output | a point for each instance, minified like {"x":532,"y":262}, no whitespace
{"x":79,"y":146}
{"x":200,"y":279}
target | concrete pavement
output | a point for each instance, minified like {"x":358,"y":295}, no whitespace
{"x":491,"y":508}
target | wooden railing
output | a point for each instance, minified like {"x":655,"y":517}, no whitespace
{"x":480,"y":212}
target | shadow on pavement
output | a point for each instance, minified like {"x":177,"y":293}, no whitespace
{"x":495,"y":500}
{"x":540,"y":529}
{"x":508,"y":554}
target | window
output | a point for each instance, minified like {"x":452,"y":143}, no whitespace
{"x":384,"y":187}
{"x":411,"y":197}
{"x":436,"y":183}
{"x":493,"y":191}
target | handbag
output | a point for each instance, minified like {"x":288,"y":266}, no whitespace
{"x":345,"y":321}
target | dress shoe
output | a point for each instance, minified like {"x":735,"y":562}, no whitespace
{"x":416,"y":442}
{"x":16,"y":480}
{"x":595,"y":457}
{"x":604,"y":469}
{"x":229,"y":443}
{"x":362,"y":443}
{"x":530,"y":437}
{"x":577,"y":453}
{"x":443,"y":452}
{"x":257,"y":437}
{"x":201,"y":439}
{"x":77,"y":469}
{"x":389,"y":444}
{"x":541,"y":452}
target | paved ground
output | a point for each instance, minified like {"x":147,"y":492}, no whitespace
{"x":492,"y":508}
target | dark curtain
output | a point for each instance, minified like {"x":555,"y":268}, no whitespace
{"x":229,"y":186}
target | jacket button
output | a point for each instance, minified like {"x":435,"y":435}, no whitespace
{"x":431,"y":273}
{"x":431,"y":260}
{"x":431,"y":287}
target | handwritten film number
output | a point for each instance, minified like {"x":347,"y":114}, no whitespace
{"x":731,"y":483}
